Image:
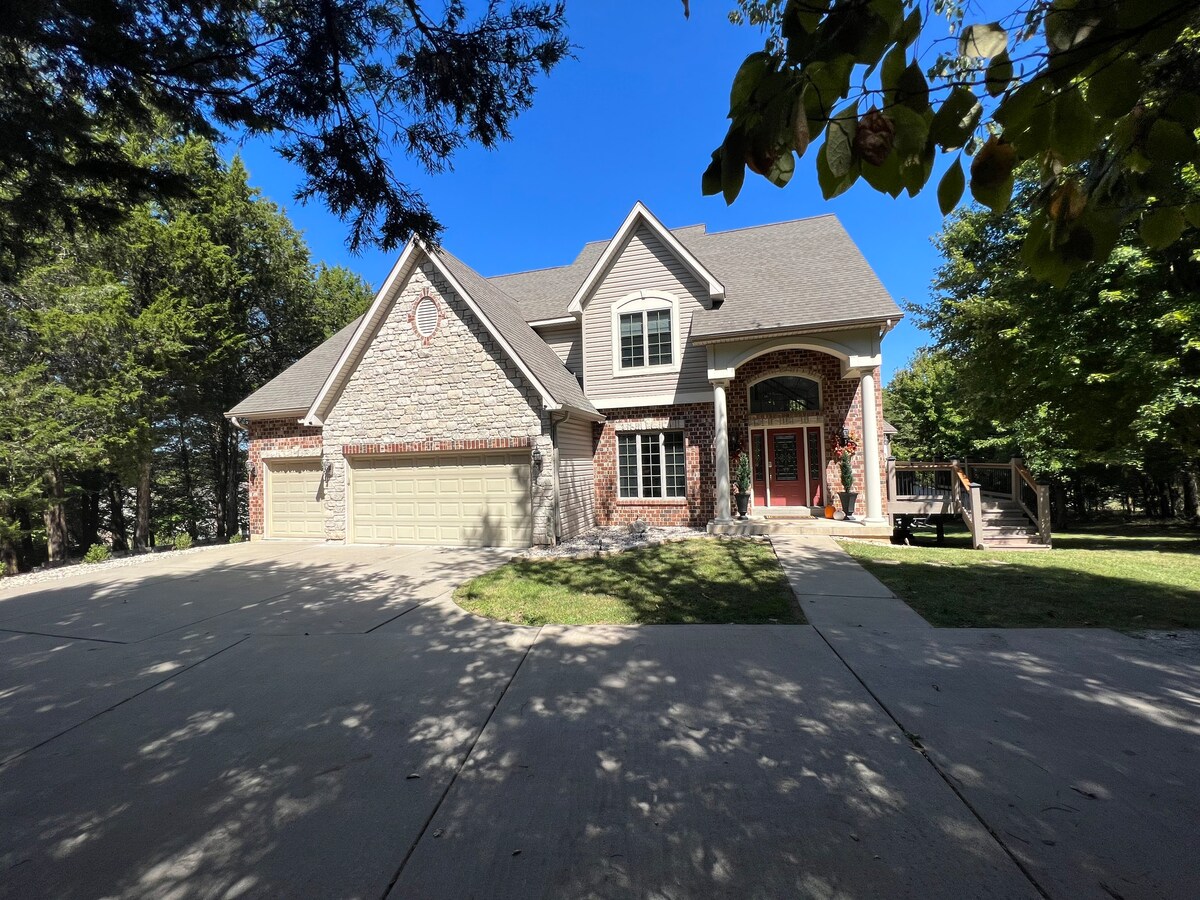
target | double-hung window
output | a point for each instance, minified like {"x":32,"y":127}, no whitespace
{"x":651,"y":465}
{"x":646,"y":338}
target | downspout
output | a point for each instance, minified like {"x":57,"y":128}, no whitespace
{"x":557,"y":417}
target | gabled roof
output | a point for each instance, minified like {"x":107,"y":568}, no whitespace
{"x":498,"y":313}
{"x":799,"y":274}
{"x":639,"y":217}
{"x":293,"y":390}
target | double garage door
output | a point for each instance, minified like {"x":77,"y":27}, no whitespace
{"x":457,"y":499}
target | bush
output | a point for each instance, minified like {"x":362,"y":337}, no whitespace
{"x":97,"y":553}
{"x":182,"y":541}
{"x":236,"y":538}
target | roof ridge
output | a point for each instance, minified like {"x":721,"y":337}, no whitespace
{"x":771,"y":224}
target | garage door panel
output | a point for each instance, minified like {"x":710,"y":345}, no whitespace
{"x":295,"y":499}
{"x":471,"y":499}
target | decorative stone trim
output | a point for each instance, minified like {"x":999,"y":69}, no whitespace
{"x":426,"y":339}
{"x":432,"y":446}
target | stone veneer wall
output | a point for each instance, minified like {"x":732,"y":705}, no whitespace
{"x":273,"y":439}
{"x":841,"y":405}
{"x":456,"y":385}
{"x":696,"y":422}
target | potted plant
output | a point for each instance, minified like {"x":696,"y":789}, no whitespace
{"x":741,"y":476}
{"x":844,"y":449}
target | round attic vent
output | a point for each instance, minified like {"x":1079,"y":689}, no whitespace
{"x":426,"y":316}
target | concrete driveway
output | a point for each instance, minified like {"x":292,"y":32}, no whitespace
{"x":281,"y":720}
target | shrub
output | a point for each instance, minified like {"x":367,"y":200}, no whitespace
{"x":236,"y":538}
{"x":97,"y":553}
{"x":182,"y":541}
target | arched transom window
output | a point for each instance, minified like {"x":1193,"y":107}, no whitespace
{"x":784,"y":394}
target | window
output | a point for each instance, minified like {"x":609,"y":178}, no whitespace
{"x":646,"y":339}
{"x":787,"y":393}
{"x":651,"y":465}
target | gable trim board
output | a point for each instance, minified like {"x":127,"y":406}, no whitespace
{"x":640,"y":215}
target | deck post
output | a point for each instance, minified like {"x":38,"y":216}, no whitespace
{"x":891,"y":478}
{"x":1015,"y":464}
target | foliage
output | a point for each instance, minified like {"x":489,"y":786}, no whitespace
{"x":1098,"y":96}
{"x":182,"y":541}
{"x":1111,"y":577}
{"x":337,"y":84}
{"x":700,"y":580}
{"x":844,"y":449}
{"x":741,"y":473}
{"x":97,"y":553}
{"x":933,"y":414}
{"x":235,"y":538}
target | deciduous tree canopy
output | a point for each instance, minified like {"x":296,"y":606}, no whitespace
{"x":1099,"y":96}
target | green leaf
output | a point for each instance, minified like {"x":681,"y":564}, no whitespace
{"x":1115,"y":87}
{"x":885,"y":178}
{"x":1192,"y":213}
{"x":781,"y":172}
{"x":956,"y":119}
{"x":831,"y":185}
{"x":1185,"y":109}
{"x":912,"y":131}
{"x":999,"y":74}
{"x":1073,"y":127}
{"x":983,"y":41}
{"x":1162,"y":227}
{"x":733,"y":165}
{"x":749,"y":74}
{"x":839,"y":141}
{"x":951,"y":187}
{"x":912,"y":89}
{"x":894,"y":65}
{"x":1169,"y":142}
{"x":710,"y":181}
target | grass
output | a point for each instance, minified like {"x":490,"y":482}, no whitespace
{"x":700,"y":580}
{"x":1112,"y":576}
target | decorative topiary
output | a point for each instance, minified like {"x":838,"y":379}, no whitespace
{"x":97,"y":553}
{"x":741,"y":474}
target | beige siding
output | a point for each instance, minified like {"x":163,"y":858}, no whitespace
{"x":566,"y":341}
{"x":576,"y":478}
{"x":644,"y":264}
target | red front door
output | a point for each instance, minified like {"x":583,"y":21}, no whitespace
{"x":794,"y":466}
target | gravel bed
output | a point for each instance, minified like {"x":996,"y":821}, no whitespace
{"x":1185,"y":643}
{"x":613,"y":539}
{"x":78,"y":566}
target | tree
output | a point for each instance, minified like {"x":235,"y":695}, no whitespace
{"x":1098,"y":95}
{"x":338,"y":84}
{"x":1104,"y":371}
{"x":932,"y":414}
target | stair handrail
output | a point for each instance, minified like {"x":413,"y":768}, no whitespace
{"x":971,"y":510}
{"x":1041,"y":491}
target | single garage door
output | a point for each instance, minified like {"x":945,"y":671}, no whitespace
{"x":459,"y":499}
{"x":295,"y":499}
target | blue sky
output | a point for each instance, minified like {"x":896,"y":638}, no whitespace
{"x":633,"y":117}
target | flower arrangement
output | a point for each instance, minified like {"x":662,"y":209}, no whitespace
{"x":844,"y":448}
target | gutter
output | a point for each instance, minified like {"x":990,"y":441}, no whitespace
{"x":751,"y":332}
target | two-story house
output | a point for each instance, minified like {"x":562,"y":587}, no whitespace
{"x":525,"y":408}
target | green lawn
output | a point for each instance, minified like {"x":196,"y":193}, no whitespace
{"x":1125,"y":576}
{"x":701,"y":580}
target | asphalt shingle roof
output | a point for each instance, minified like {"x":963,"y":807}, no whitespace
{"x":787,"y":275}
{"x":295,"y":388}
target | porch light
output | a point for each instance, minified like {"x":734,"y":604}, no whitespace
{"x":536,"y":456}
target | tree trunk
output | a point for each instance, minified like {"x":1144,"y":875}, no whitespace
{"x":1191,"y":493}
{"x":10,"y":560}
{"x":89,"y":509}
{"x":232,"y":477}
{"x":55,"y":517}
{"x":1058,"y":505}
{"x":116,"y":514}
{"x":185,"y":469}
{"x":141,"y":532}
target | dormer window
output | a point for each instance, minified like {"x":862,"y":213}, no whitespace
{"x":645,"y":333}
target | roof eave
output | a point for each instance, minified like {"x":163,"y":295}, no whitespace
{"x":754,"y":331}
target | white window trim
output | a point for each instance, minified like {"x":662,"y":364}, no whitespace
{"x":643,"y":302}
{"x":660,"y":434}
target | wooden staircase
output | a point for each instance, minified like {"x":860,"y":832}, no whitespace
{"x":1006,"y":527}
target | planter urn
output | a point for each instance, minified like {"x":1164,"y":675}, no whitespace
{"x":743,"y":503}
{"x":848,"y":498}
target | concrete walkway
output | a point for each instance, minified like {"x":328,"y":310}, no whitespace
{"x":1078,"y":749}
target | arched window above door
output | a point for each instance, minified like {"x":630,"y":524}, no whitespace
{"x":784,"y":394}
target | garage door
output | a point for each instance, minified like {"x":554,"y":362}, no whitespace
{"x":295,"y":499}
{"x":463,"y":499}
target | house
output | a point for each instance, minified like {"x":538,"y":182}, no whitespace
{"x":525,"y":408}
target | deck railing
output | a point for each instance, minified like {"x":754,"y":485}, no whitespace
{"x":961,"y":487}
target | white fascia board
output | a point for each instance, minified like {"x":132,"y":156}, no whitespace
{"x":365,"y":327}
{"x":562,"y":320}
{"x":638,"y":215}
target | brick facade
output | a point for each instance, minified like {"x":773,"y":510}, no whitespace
{"x":274,"y":439}
{"x":695,"y":420}
{"x":841,"y":406}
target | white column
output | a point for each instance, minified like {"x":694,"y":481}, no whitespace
{"x":721,"y":446}
{"x":870,"y":447}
